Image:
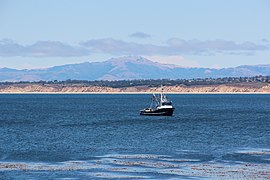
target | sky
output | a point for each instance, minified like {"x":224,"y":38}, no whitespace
{"x":188,"y":33}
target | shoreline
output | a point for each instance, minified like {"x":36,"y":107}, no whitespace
{"x":243,"y":88}
{"x":266,"y":93}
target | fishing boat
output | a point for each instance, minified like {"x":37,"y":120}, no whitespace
{"x":160,"y":106}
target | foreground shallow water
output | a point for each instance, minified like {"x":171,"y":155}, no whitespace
{"x":137,"y":166}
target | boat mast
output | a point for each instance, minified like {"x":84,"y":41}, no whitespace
{"x":161,"y":95}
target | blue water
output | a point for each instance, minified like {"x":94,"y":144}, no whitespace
{"x":96,"y":134}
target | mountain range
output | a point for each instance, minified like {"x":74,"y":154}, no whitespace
{"x":130,"y":67}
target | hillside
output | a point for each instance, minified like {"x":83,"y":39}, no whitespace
{"x":124,"y":68}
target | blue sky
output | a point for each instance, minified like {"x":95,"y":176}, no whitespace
{"x":209,"y":33}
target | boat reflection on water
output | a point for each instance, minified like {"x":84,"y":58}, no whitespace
{"x":160,"y":106}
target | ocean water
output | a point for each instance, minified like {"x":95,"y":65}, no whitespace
{"x":103,"y":136}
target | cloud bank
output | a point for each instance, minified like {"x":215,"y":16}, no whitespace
{"x":173,"y":47}
{"x":8,"y":48}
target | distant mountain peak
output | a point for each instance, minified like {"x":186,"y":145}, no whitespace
{"x":139,"y":60}
{"x":127,"y":67}
{"x":134,"y":59}
{"x":124,"y":62}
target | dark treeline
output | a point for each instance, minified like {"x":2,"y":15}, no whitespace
{"x":152,"y":82}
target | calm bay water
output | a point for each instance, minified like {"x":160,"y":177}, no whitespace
{"x":103,"y":136}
